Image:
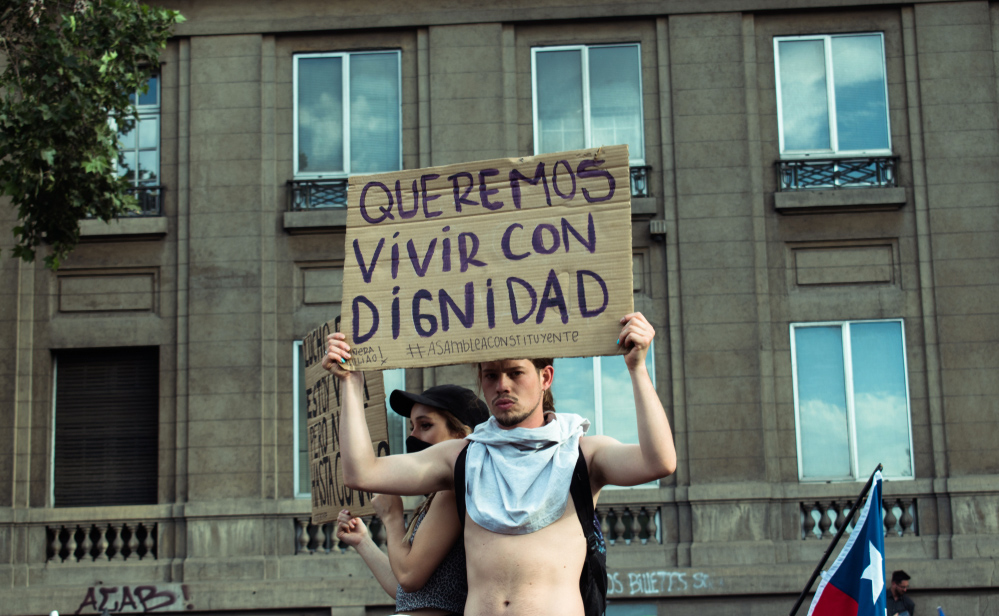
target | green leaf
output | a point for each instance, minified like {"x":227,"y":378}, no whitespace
{"x":95,"y":165}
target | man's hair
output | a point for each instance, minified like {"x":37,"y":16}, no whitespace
{"x":897,"y":577}
{"x":548,"y":399}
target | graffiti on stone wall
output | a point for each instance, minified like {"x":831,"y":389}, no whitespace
{"x":658,"y":583}
{"x":142,"y":599}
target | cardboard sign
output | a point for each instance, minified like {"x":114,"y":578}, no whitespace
{"x":501,"y":259}
{"x":329,"y":494}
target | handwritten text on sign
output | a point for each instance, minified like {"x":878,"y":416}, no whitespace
{"x":323,"y":404}
{"x":507,"y":258}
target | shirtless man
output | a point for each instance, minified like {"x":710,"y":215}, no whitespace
{"x":516,"y":574}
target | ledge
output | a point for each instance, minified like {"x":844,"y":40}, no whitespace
{"x":315,"y":221}
{"x":107,"y":328}
{"x":83,"y":515}
{"x":757,"y":491}
{"x":142,"y":227}
{"x":643,"y":206}
{"x":841,"y":200}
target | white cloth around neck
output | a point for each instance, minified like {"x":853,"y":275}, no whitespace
{"x":517,"y":480}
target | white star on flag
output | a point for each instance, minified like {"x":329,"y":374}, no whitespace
{"x":874,"y":573}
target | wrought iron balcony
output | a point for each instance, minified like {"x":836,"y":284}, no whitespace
{"x":150,"y":201}
{"x":836,"y":173}
{"x":317,"y":194}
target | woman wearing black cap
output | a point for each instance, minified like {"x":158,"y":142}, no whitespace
{"x":426,"y":573}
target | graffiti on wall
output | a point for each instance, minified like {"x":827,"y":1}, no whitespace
{"x":657,"y":583}
{"x":140,"y":599}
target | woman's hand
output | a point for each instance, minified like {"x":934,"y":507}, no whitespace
{"x":350,"y":530}
{"x":337,"y":354}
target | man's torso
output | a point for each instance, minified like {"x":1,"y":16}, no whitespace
{"x":521,"y":575}
{"x":897,"y":606}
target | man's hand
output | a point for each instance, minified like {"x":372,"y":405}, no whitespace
{"x":636,"y":337}
{"x":614,"y":463}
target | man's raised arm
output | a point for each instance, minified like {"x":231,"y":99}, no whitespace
{"x":410,"y":474}
{"x":654,"y":457}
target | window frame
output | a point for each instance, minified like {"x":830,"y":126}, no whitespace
{"x":855,"y":471}
{"x":298,"y":415}
{"x":585,"y":85}
{"x":145,"y":112}
{"x":52,"y":433}
{"x":833,"y":151}
{"x":345,"y":84}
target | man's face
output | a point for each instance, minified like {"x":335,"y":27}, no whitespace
{"x":900,"y":588}
{"x":514,"y":388}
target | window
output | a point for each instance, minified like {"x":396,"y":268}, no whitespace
{"x":106,"y":437}
{"x":348,"y":114}
{"x":398,"y":426}
{"x":139,"y":149}
{"x":588,"y":96}
{"x":832,"y":95}
{"x":851,"y":400}
{"x":393,"y":379}
{"x":609,"y":403}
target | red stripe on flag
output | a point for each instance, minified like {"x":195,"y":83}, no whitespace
{"x":834,"y":602}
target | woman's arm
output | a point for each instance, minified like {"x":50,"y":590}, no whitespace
{"x":414,"y":564}
{"x":352,"y":531}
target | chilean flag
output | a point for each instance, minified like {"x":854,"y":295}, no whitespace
{"x":854,"y":585}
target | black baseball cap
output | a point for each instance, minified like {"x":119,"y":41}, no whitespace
{"x":459,"y":401}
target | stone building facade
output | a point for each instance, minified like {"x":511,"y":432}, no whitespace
{"x":815,"y":235}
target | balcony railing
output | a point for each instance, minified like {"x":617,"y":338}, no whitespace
{"x":321,"y":538}
{"x":822,"y":519}
{"x":319,"y":194}
{"x":632,"y":524}
{"x":837,"y":173}
{"x":102,"y":542}
{"x":150,"y":201}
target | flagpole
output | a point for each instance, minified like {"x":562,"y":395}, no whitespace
{"x":832,"y":546}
